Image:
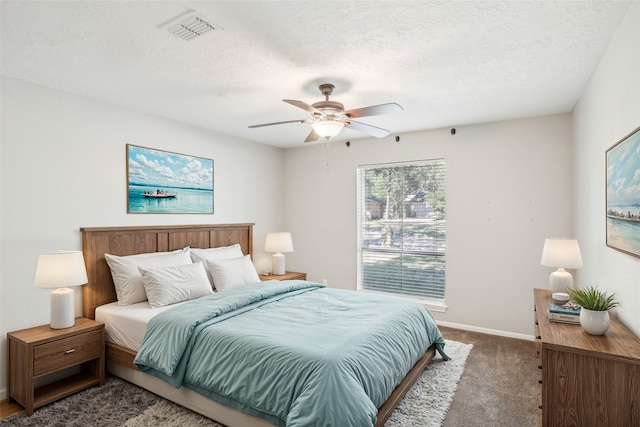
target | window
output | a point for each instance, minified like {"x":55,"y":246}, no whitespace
{"x":401,"y":229}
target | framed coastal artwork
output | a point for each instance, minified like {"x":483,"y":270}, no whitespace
{"x":165,"y":182}
{"x":623,"y":194}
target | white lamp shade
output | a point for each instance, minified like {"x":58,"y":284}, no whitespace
{"x":327,"y":128}
{"x":278,"y":242}
{"x":60,"y":269}
{"x":561,"y":252}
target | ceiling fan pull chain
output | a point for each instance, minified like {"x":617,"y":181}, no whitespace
{"x":327,"y":143}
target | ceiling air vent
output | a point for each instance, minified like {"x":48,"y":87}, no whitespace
{"x":187,"y":26}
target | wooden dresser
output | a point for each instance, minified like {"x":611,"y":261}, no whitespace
{"x":586,"y":380}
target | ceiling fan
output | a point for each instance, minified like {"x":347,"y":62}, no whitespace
{"x":329,"y":117}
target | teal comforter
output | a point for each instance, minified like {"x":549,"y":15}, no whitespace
{"x":293,"y":352}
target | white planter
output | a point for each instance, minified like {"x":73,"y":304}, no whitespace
{"x":594,"y":322}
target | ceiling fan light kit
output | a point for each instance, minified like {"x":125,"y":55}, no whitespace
{"x":329,"y":117}
{"x":327,"y":128}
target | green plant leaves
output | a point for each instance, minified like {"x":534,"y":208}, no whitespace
{"x":593,"y":299}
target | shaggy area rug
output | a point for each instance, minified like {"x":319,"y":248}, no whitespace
{"x":121,"y":404}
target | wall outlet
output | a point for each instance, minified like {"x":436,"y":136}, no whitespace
{"x":325,"y":282}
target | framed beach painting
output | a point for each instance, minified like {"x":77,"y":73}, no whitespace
{"x":623,"y":194}
{"x":165,"y":182}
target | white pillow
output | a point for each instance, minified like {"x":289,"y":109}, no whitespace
{"x":223,"y":252}
{"x":165,"y":286}
{"x":228,"y":273}
{"x":128,"y":280}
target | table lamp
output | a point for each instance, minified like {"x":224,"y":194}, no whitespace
{"x":59,"y":270}
{"x":278,"y":242}
{"x":561,"y":253}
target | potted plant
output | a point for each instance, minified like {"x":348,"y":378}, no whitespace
{"x":594,"y":314}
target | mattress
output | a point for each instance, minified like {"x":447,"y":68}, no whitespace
{"x":125,"y":325}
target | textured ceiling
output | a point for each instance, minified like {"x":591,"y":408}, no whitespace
{"x":448,"y":63}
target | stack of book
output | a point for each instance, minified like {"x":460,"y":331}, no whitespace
{"x":559,"y":313}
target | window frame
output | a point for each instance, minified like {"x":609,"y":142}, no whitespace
{"x":435,"y":304}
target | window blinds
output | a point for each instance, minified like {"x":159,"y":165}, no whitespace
{"x":401,"y":228}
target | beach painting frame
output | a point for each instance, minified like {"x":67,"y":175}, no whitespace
{"x":160,"y":182}
{"x":623,"y":194}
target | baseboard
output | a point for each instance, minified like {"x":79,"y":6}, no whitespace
{"x":486,"y":330}
{"x":3,"y":395}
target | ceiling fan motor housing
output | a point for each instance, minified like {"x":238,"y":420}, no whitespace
{"x":329,"y":108}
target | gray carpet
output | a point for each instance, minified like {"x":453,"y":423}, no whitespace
{"x":499,"y":386}
{"x":119,"y":403}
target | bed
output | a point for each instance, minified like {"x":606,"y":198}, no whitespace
{"x":100,"y":292}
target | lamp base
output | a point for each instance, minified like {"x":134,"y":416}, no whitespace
{"x":277,"y":266}
{"x":560,"y":280}
{"x":62,"y":308}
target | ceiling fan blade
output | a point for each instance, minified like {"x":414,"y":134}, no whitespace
{"x":313,"y":136}
{"x":278,"y":123}
{"x":368,"y":129}
{"x":304,"y":106}
{"x":374,"y":110}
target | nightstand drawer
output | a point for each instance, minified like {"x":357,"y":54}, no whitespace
{"x":66,"y":352}
{"x":289,"y":275}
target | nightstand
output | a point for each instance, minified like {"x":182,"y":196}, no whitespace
{"x":288,"y":275}
{"x":37,"y":353}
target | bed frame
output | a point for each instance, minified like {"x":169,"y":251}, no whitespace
{"x":97,"y":241}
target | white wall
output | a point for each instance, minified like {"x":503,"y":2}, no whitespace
{"x":63,"y":167}
{"x":508,"y":187}
{"x":608,"y":110}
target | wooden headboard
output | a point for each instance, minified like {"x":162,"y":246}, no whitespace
{"x":136,"y":240}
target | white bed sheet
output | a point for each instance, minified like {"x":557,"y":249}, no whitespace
{"x":125,"y":325}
